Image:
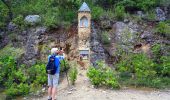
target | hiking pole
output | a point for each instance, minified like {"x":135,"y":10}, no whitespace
{"x":66,"y":72}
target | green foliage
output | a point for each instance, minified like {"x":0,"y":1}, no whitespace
{"x":108,"y":14}
{"x":105,"y":38}
{"x":51,"y":18}
{"x":119,"y":12}
{"x":37,"y":74}
{"x":139,"y":64}
{"x":146,"y":4}
{"x":97,"y":12}
{"x":156,"y":50}
{"x":73,"y":74}
{"x":165,"y":64}
{"x":139,"y":70}
{"x":18,"y":89}
{"x":103,"y":75}
{"x":20,"y":80}
{"x":164,"y":3}
{"x":19,"y":20}
{"x":163,"y":28}
{"x":3,"y":15}
{"x":11,"y":51}
{"x":64,"y":66}
{"x":138,"y":4}
{"x":151,"y":15}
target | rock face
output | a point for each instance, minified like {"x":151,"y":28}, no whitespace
{"x":97,"y":49}
{"x":126,"y":34}
{"x":140,"y":14}
{"x":160,"y":14}
{"x":12,"y":26}
{"x":32,"y":19}
{"x":31,"y":45}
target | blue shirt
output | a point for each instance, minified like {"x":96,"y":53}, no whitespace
{"x":58,"y":58}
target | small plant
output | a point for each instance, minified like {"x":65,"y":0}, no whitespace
{"x":163,"y":29}
{"x":64,"y":66}
{"x":73,"y":75}
{"x":119,"y":12}
{"x":19,"y":20}
{"x":165,"y":66}
{"x":151,"y":15}
{"x":105,"y":38}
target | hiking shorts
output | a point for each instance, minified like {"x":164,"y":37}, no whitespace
{"x":53,"y":80}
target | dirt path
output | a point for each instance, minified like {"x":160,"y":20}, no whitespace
{"x":83,"y":90}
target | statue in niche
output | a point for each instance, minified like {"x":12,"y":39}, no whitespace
{"x":84,"y":22}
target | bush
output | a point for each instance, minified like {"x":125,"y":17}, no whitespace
{"x":139,"y":66}
{"x":17,"y":90}
{"x":51,"y":18}
{"x":19,"y":20}
{"x":3,"y":15}
{"x":138,"y":4}
{"x":163,"y":29}
{"x":11,"y":51}
{"x":64,"y":66}
{"x":102,"y":76}
{"x":151,"y":15}
{"x":37,"y":74}
{"x":119,"y":12}
{"x":165,"y":64}
{"x":20,"y":80}
{"x":105,"y":38}
{"x":97,"y":12}
{"x":73,"y":75}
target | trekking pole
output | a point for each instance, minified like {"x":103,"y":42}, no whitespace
{"x":66,"y":72}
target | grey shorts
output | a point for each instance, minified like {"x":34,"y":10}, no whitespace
{"x":53,"y":80}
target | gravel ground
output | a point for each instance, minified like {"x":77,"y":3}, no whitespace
{"x":83,"y":90}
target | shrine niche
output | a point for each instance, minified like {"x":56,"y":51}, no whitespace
{"x":84,"y":22}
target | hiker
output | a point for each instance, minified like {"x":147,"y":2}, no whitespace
{"x":53,"y":79}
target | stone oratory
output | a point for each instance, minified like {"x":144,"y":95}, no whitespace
{"x":84,"y":31}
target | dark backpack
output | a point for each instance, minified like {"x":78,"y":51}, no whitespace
{"x":51,"y":68}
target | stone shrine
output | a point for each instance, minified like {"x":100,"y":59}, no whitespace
{"x":84,"y":31}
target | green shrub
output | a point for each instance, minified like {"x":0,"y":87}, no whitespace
{"x":102,"y":76}
{"x":146,"y":4}
{"x":73,"y":75}
{"x":18,"y":90}
{"x":64,"y":66}
{"x":163,"y":29}
{"x":164,"y":3}
{"x":108,"y":14}
{"x":165,"y":64}
{"x":51,"y":18}
{"x":20,"y":80}
{"x":3,"y":15}
{"x":138,"y":4}
{"x":37,"y":74}
{"x":11,"y":51}
{"x":105,"y":38}
{"x":139,"y":66}
{"x":119,"y":12}
{"x":19,"y":20}
{"x":151,"y":15}
{"x":13,"y":37}
{"x":97,"y":12}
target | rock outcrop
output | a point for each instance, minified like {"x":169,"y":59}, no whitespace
{"x":32,"y":19}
